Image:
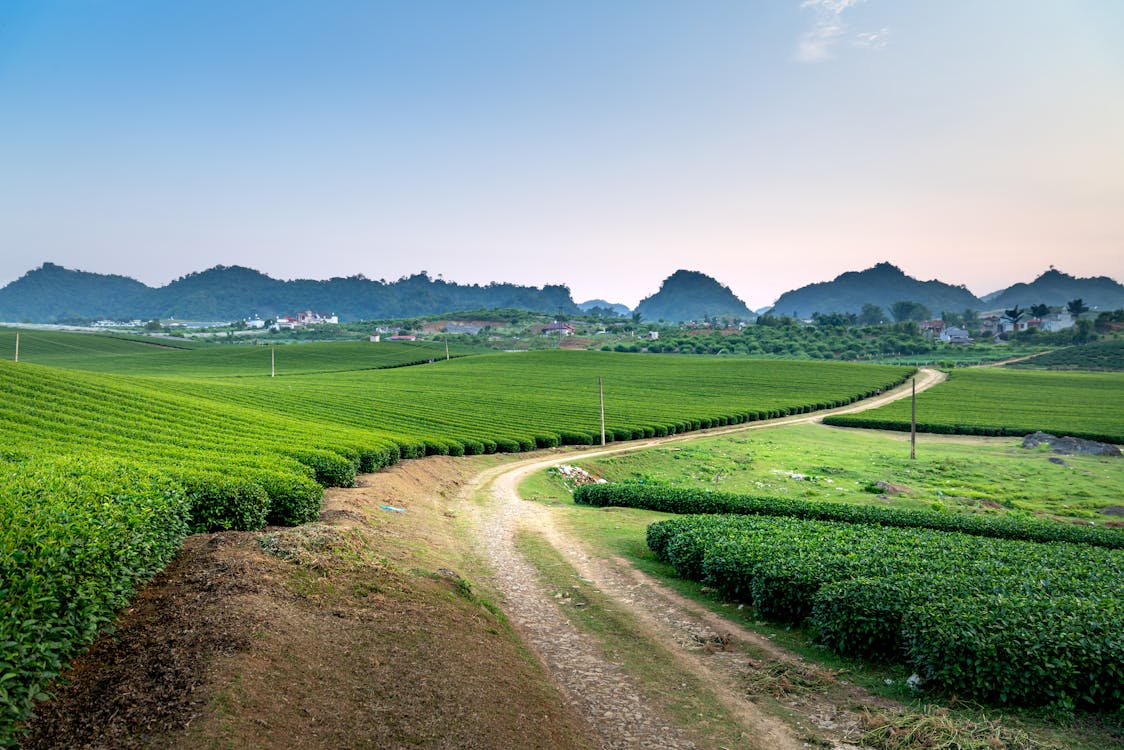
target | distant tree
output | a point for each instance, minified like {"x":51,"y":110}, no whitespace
{"x":872,"y":315}
{"x":836,"y":320}
{"x":952,"y":318}
{"x":971,"y":319}
{"x":904,"y":310}
{"x":1039,"y":311}
{"x":1076,"y":307}
{"x":1083,"y":333}
{"x":153,"y":325}
{"x":1014,"y":315}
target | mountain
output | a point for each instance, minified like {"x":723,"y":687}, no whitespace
{"x":615,"y":307}
{"x":52,"y":294}
{"x":1057,"y":288}
{"x":690,"y":295}
{"x":882,"y":285}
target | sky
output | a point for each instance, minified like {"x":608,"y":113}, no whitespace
{"x":601,"y":144}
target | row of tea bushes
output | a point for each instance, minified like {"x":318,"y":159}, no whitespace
{"x":668,"y":499}
{"x":998,"y":401}
{"x":78,"y":534}
{"x":997,"y":620}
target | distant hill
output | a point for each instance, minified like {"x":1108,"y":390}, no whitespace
{"x":619,"y":309}
{"x":52,"y":294}
{"x":690,"y":295}
{"x":882,"y":285}
{"x":1057,"y":288}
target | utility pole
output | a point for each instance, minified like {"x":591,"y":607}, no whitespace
{"x":272,"y":362}
{"x":913,"y":421}
{"x":601,"y":394}
{"x":17,"y":346}
{"x":446,"y":350}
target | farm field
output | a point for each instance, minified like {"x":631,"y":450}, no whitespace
{"x":232,"y":453}
{"x":997,"y":401}
{"x":814,"y":462}
{"x":160,"y":357}
{"x":621,"y":535}
{"x":973,"y":616}
{"x":1099,"y":355}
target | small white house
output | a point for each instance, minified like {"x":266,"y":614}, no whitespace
{"x":653,"y":335}
{"x":1058,"y":322}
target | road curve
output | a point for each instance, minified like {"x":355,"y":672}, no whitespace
{"x":602,"y":692}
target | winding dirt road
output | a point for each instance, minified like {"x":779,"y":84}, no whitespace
{"x":607,"y":697}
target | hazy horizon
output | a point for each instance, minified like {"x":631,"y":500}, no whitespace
{"x":598,"y":146}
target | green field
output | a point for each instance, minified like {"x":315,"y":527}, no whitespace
{"x":212,"y":445}
{"x":1003,"y":621}
{"x":995,"y":401}
{"x":813,"y":462}
{"x":164,"y":357}
{"x":1099,"y":355}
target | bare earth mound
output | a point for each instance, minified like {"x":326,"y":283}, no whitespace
{"x":353,"y":632}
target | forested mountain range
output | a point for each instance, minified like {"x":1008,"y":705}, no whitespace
{"x":53,"y":294}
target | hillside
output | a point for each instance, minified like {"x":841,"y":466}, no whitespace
{"x":690,"y":295}
{"x":1057,"y":288}
{"x":52,"y":294}
{"x":882,"y":285}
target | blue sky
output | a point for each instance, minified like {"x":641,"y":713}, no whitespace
{"x":599,"y":144}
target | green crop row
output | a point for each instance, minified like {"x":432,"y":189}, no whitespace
{"x":239,"y":452}
{"x":997,"y":620}
{"x":685,"y":500}
{"x":77,"y":536}
{"x":996,"y":401}
{"x":1100,"y":355}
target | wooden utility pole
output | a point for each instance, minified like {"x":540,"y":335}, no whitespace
{"x":272,"y":362}
{"x":446,"y":350}
{"x":913,"y":421}
{"x":17,"y":346}
{"x":601,"y":394}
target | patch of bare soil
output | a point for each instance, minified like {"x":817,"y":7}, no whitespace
{"x":354,"y":632}
{"x":146,"y":678}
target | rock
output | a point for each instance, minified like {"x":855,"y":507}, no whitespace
{"x":890,"y":488}
{"x":1071,"y":445}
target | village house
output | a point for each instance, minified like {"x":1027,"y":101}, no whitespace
{"x":954,"y":335}
{"x":931,"y":328}
{"x":561,"y":329}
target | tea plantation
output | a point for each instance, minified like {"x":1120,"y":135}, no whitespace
{"x":102,"y":474}
{"x":996,"y":401}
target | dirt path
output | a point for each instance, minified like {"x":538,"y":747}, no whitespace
{"x":609,"y":700}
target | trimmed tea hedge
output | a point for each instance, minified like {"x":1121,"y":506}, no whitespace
{"x":998,"y":620}
{"x":997,"y":401}
{"x":686,"y":500}
{"x":77,"y":536}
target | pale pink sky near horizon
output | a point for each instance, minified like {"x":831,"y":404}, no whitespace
{"x":598,"y":146}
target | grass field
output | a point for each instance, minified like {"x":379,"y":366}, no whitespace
{"x":814,"y":462}
{"x":996,"y":401}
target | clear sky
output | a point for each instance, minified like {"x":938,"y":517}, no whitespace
{"x":598,"y":143}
